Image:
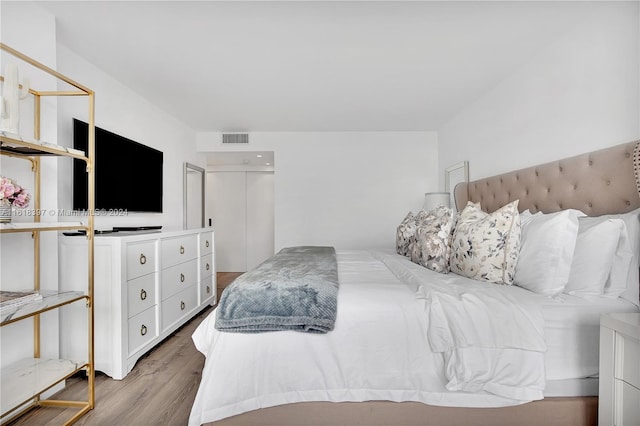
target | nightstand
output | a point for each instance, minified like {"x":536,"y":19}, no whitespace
{"x":619,"y":389}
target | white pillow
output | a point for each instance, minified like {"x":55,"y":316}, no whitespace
{"x":546,"y":250}
{"x":624,"y":279}
{"x":596,"y":246}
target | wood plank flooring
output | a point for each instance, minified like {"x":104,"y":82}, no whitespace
{"x":144,"y":397}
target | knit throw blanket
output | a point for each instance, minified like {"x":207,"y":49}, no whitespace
{"x":296,"y":289}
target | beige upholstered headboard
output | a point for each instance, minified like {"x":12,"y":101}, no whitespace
{"x":597,"y":183}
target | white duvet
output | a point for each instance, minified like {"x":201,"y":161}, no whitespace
{"x":491,"y":339}
{"x":388,"y":344}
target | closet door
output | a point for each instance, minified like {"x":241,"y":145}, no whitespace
{"x":228,"y":210}
{"x":260,"y":217}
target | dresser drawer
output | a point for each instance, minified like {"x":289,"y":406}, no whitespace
{"x":179,"y":249}
{"x":628,"y":413}
{"x":142,"y":329}
{"x":141,"y":259}
{"x":207,"y":290}
{"x":178,"y":277}
{"x":206,"y":267}
{"x":141,"y":294}
{"x":179,"y":305}
{"x":206,"y":243}
{"x":628,"y":369}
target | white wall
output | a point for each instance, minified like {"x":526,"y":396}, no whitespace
{"x":345,"y":189}
{"x":121,"y":110}
{"x":580,"y":94}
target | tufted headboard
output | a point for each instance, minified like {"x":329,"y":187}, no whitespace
{"x":597,"y":183}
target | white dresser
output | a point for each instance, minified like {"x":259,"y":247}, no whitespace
{"x":146,"y":286}
{"x":619,"y":393}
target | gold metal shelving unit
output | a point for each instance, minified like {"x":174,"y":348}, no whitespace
{"x":24,"y":382}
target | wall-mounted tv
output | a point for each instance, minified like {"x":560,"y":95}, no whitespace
{"x":128,"y":174}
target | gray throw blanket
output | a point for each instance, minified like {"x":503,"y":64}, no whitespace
{"x":296,"y":289}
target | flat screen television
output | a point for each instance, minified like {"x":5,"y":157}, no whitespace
{"x":128,"y":174}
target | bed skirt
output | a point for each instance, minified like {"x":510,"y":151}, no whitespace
{"x":567,"y":411}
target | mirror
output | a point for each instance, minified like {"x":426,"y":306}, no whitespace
{"x":454,"y":175}
{"x":193,"y":201}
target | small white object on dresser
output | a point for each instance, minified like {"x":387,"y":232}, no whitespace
{"x":619,"y":389}
{"x":146,"y":286}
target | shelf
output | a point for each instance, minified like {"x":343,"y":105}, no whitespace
{"x":40,"y":226}
{"x":23,"y":383}
{"x":30,"y":377}
{"x":23,"y":147}
{"x":50,"y":300}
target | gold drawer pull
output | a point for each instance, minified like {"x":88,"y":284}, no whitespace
{"x":207,"y":266}
{"x":143,"y":294}
{"x":143,"y":259}
{"x":206,"y":243}
{"x":181,"y":249}
{"x":182,"y":306}
{"x":181,"y":278}
{"x":208,"y":289}
{"x":143,"y":330}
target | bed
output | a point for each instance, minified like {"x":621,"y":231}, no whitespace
{"x":393,"y":358}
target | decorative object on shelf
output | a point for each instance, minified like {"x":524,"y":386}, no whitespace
{"x":11,"y":194}
{"x":17,"y":298}
{"x":454,"y":175}
{"x":12,"y":93}
{"x":433,"y":200}
{"x":5,"y":213}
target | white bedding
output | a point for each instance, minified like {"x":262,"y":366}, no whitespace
{"x":572,"y":333}
{"x":571,"y":323}
{"x":379,"y":350}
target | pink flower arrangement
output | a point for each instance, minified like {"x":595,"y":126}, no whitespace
{"x":13,"y":194}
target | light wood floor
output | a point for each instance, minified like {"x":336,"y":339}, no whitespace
{"x":159,"y":390}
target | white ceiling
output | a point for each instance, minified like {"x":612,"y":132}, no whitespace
{"x":311,"y":66}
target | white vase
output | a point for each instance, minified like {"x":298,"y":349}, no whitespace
{"x":11,"y":95}
{"x":5,"y":213}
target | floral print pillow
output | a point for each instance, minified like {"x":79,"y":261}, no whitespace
{"x":405,"y":233}
{"x":421,"y":217}
{"x":486,"y":246}
{"x":432,"y":246}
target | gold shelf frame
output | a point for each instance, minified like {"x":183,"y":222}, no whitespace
{"x":35,"y":151}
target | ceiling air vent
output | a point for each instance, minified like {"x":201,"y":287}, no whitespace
{"x":235,"y":138}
